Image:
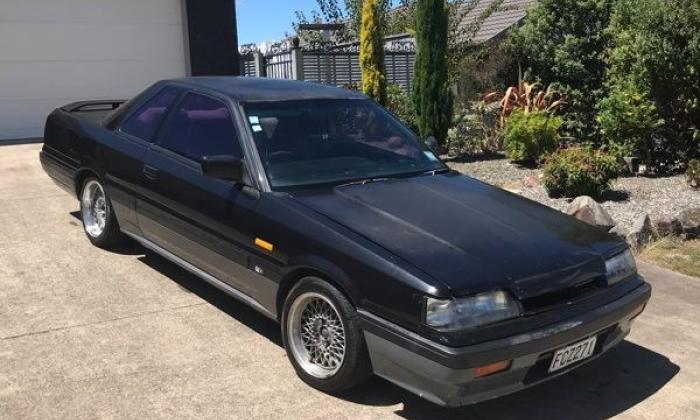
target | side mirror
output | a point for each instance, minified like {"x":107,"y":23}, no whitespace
{"x":432,"y":143}
{"x":225,"y":167}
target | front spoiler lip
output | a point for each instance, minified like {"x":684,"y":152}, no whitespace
{"x":512,"y":347}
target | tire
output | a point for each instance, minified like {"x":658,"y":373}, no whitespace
{"x":99,"y":222}
{"x":312,"y":299}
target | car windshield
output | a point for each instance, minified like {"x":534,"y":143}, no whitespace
{"x":314,"y":142}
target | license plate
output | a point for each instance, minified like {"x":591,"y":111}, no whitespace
{"x":572,"y":354}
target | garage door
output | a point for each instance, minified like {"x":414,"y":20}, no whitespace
{"x":53,"y":52}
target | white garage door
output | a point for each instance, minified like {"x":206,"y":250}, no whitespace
{"x":53,"y":52}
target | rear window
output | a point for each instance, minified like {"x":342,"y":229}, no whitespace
{"x":145,"y":122}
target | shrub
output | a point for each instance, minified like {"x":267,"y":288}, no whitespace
{"x":627,"y":120}
{"x":562,"y":42}
{"x":692,"y":174}
{"x":580,"y":171}
{"x":399,"y":103}
{"x":486,"y":67}
{"x":476,"y":130}
{"x":530,"y":136}
{"x":656,"y":49}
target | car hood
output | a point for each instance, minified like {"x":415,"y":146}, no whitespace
{"x":469,"y":235}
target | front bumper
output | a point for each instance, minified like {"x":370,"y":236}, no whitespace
{"x":445,"y":375}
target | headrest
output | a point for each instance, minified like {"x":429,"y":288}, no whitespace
{"x":269,"y":125}
{"x":150,"y":115}
{"x":209,"y":114}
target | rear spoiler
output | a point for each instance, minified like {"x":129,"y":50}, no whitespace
{"x":100,"y":105}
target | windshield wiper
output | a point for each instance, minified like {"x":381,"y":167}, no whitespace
{"x":434,"y":172}
{"x":362,"y":182}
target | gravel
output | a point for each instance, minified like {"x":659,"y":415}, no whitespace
{"x":630,"y":198}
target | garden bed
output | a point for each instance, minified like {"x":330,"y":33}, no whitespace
{"x":629,"y":199}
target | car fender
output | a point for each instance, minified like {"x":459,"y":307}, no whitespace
{"x":301,"y":266}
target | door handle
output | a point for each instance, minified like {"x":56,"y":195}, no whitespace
{"x":149,"y":172}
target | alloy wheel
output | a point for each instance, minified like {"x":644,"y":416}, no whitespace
{"x":316,"y":335}
{"x":94,"y":208}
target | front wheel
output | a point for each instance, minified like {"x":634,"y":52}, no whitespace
{"x":99,"y":222}
{"x":322,"y":336}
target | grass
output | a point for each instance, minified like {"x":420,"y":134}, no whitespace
{"x":675,"y":254}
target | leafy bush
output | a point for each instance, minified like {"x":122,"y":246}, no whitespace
{"x":399,"y":103}
{"x":562,"y":43}
{"x":656,"y":48}
{"x":580,"y":171}
{"x":476,"y":130}
{"x":627,"y":121}
{"x":530,"y":136}
{"x":485,"y":67}
{"x":692,"y":174}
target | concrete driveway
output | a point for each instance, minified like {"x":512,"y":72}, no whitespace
{"x":86,"y":333}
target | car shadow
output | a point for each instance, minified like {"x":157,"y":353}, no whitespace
{"x":225,"y":303}
{"x":123,"y":247}
{"x":618,"y":380}
{"x":609,"y":385}
{"x":615,"y":196}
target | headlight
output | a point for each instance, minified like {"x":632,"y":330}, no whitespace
{"x":481,"y":309}
{"x":620,"y":267}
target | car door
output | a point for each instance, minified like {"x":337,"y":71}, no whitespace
{"x":123,"y":150}
{"x":205,"y":221}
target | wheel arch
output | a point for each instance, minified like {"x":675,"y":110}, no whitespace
{"x":81,"y":175}
{"x":316,"y":268}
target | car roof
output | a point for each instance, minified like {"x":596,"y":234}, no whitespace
{"x":263,"y":89}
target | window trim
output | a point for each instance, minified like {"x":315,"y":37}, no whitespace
{"x":158,"y":139}
{"x":137,"y":107}
{"x":252,"y":157}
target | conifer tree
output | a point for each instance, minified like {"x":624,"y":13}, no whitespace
{"x":372,"y":51}
{"x":432,"y":98}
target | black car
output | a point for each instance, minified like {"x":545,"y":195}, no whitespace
{"x":315,"y":206}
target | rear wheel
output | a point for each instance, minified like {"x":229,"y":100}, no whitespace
{"x":322,"y":336}
{"x":99,"y":222}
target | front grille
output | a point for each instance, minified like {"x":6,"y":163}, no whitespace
{"x":568,"y":295}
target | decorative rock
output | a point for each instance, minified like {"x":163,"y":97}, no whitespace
{"x":532,"y":181}
{"x":667,"y":225}
{"x":640,"y":234}
{"x":620,"y":231}
{"x":590,"y":211}
{"x":690,"y":223}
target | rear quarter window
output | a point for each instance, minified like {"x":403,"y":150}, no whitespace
{"x":145,"y":122}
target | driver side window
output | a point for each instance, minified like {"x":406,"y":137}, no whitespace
{"x":201,"y":126}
